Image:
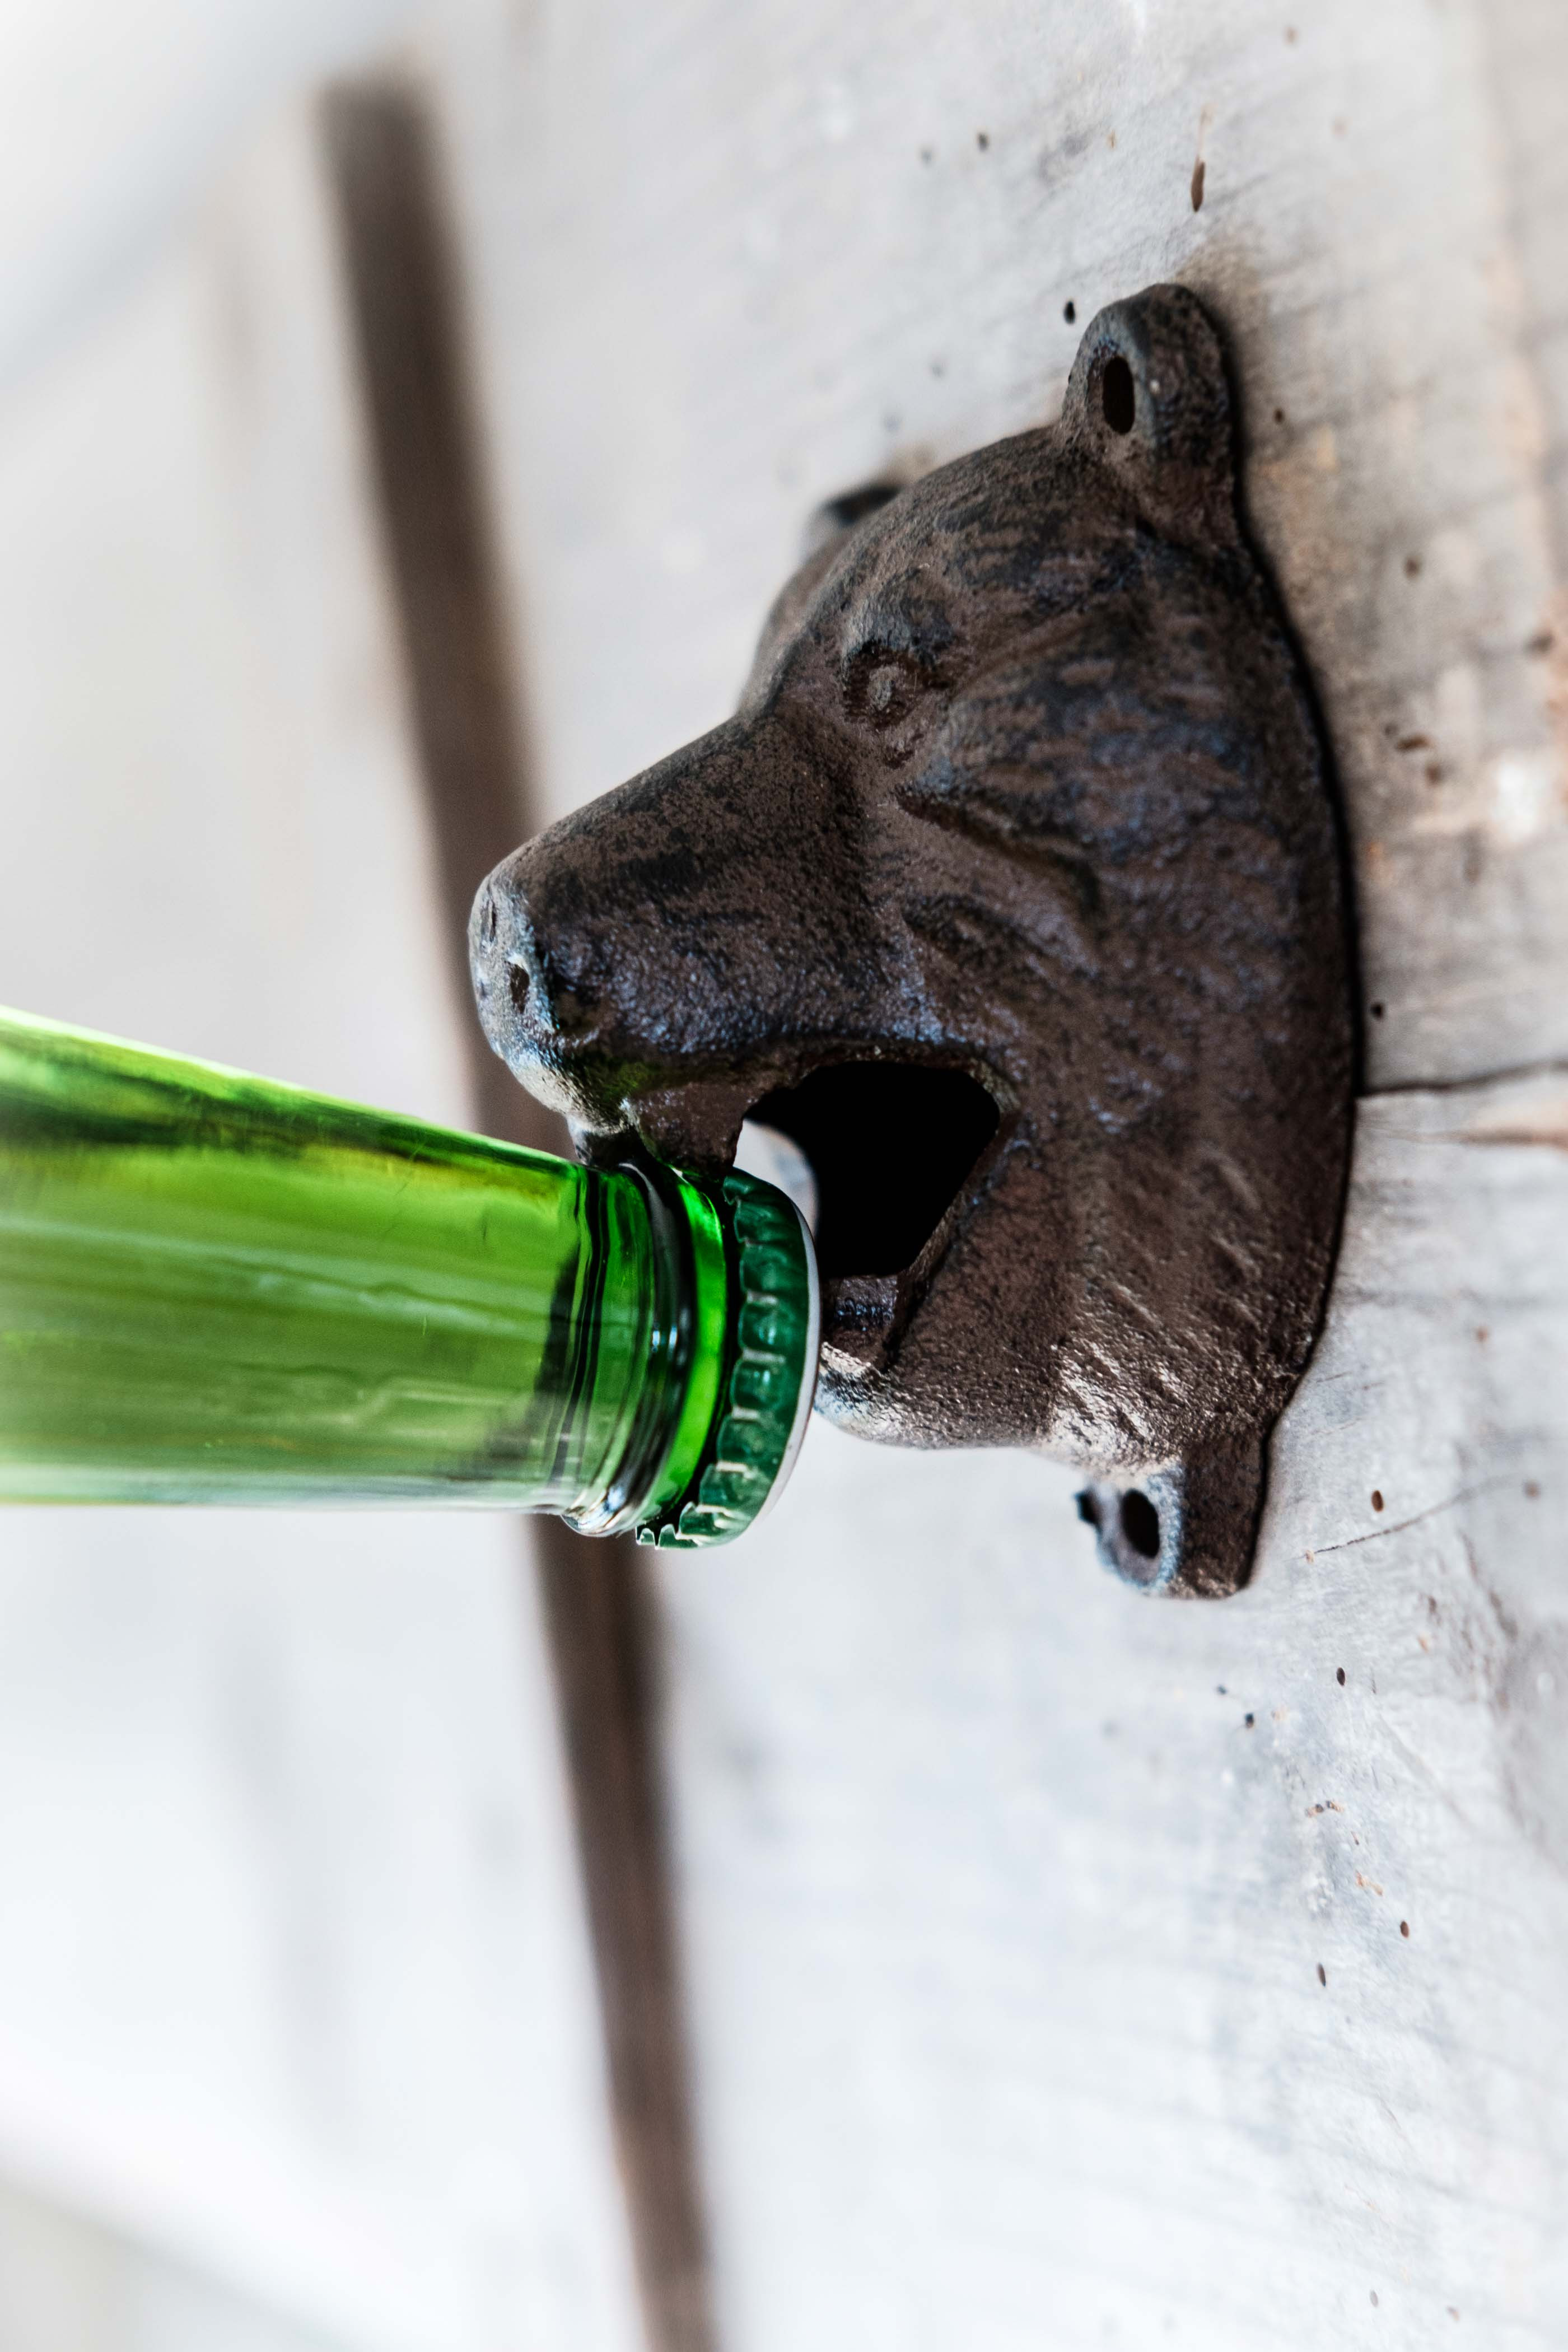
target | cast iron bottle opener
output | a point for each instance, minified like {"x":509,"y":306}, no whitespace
{"x":1014,"y":893}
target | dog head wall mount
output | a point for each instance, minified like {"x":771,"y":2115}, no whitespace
{"x":1012,"y":892}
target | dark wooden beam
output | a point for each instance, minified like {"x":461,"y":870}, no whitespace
{"x":404,"y":294}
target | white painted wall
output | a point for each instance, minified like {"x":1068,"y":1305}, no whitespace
{"x":115,"y":115}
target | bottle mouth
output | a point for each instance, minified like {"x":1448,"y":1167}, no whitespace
{"x":686,"y":1341}
{"x":766,"y":1365}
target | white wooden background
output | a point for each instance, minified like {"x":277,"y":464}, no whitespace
{"x":1007,"y":1892}
{"x":298,"y":2035}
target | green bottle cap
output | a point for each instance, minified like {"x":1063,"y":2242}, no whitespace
{"x":767,"y":1373}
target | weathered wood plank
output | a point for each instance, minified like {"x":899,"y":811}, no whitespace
{"x":294,"y":1984}
{"x":734,"y":260}
{"x":1008,"y":1889}
{"x":1006,"y":1921}
{"x":402,"y":278}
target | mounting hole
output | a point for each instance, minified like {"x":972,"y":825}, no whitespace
{"x":1119,"y":401}
{"x":1140,"y":1520}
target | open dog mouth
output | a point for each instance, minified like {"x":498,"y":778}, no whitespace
{"x":892,"y":1146}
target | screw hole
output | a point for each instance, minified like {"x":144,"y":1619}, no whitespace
{"x":1141,"y":1521}
{"x":1117,"y":396}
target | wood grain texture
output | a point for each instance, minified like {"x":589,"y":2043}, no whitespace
{"x":605,"y":1638}
{"x":403,"y":279}
{"x":296,"y":1992}
{"x":734,"y":259}
{"x":1007,"y":1892}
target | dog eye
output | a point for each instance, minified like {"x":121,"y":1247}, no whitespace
{"x":889,"y":690}
{"x":884,"y":687}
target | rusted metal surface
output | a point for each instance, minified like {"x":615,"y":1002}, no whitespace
{"x":1014,"y":893}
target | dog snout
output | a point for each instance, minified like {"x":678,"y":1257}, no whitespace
{"x":535,"y":1002}
{"x":687,"y":929}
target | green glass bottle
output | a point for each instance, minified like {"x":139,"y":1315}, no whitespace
{"x":215,"y":1289}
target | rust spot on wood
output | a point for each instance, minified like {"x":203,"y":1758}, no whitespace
{"x":1547,"y":1131}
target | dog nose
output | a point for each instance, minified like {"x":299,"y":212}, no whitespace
{"x":530,"y":998}
{"x":632,"y":946}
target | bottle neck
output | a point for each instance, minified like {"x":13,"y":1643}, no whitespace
{"x":685,"y":1286}
{"x":217,"y":1290}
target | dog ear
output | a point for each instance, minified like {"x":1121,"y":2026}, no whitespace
{"x":1149,"y":398}
{"x":826,"y":531}
{"x":833,"y":520}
